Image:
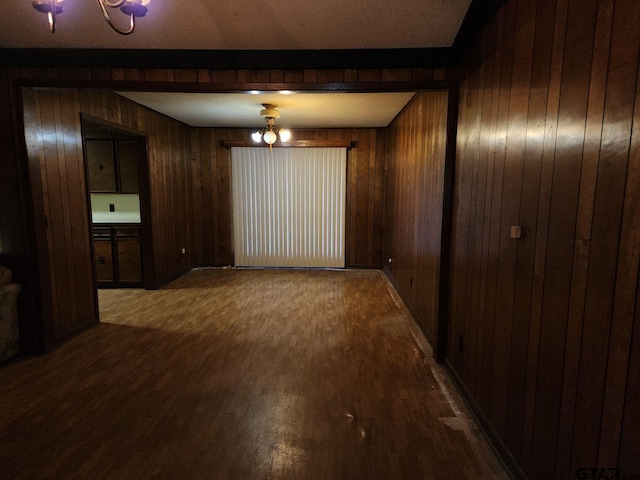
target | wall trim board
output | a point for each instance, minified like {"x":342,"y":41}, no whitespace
{"x":414,"y":314}
{"x":68,"y":335}
{"x":164,"y":283}
{"x":443,"y":320}
{"x":230,"y":87}
{"x":479,"y":13}
{"x":226,"y":59}
{"x":483,"y":423}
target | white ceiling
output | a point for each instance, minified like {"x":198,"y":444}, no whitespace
{"x":242,"y":25}
{"x":298,"y":110}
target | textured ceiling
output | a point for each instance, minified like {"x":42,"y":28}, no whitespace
{"x":242,"y":25}
{"x":298,"y":110}
{"x":252,"y":25}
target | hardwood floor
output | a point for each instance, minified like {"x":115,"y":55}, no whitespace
{"x":242,"y":374}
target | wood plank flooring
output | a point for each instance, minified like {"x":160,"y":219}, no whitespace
{"x":242,"y":374}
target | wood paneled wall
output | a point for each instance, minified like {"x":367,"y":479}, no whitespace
{"x":54,"y":145}
{"x":18,"y":248}
{"x":544,"y":332}
{"x":212,"y":194}
{"x":417,"y":141}
{"x":189,"y":174}
{"x":16,"y":242}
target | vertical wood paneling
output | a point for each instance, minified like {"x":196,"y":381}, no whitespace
{"x":549,"y":135}
{"x":60,"y":161}
{"x":625,"y":331}
{"x":364,"y":205}
{"x":15,"y":243}
{"x":54,"y":140}
{"x":604,"y":255}
{"x":553,"y":378}
{"x":207,"y":237}
{"x":414,"y":198}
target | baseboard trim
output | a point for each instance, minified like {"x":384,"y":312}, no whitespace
{"x":508,"y":461}
{"x":414,"y":314}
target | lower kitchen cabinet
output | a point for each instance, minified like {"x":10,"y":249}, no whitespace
{"x":104,"y":259}
{"x":128,"y":252}
{"x":117,"y":256}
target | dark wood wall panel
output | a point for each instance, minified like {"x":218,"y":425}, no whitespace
{"x":52,"y":122}
{"x":548,"y":140}
{"x":364,"y":207}
{"x":212,"y":195}
{"x":54,"y":143}
{"x":169,"y":176}
{"x":16,"y":247}
{"x":414,"y":200}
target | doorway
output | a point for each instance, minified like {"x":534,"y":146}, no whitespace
{"x":116,"y":169}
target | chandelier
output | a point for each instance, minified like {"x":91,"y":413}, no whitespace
{"x":132,"y":8}
{"x":270,"y":133}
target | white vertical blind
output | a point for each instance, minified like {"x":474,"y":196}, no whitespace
{"x":289,"y":206}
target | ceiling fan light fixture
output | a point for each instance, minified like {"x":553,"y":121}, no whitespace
{"x":269,"y":111}
{"x":271,"y":133}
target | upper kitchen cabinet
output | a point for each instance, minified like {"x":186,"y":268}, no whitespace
{"x":113,"y":165}
{"x":128,"y":155}
{"x":102,"y":165}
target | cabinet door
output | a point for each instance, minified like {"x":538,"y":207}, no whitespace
{"x":101,"y":165}
{"x":128,"y":153}
{"x":129,"y":265}
{"x":104,"y":260}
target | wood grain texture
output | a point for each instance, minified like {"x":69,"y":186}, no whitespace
{"x":416,"y":148}
{"x":28,"y":255}
{"x":315,"y":374}
{"x":54,"y":141}
{"x":58,"y":151}
{"x":364,"y":208}
{"x":548,"y":108}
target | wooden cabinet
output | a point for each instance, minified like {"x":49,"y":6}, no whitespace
{"x":101,"y":165}
{"x":118,"y":257}
{"x":127,"y":173}
{"x":127,"y":246}
{"x":113,"y":164}
{"x":104,"y":260}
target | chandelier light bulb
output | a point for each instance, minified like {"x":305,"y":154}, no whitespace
{"x":256,"y":137}
{"x":285,"y":135}
{"x":136,"y":8}
{"x":44,"y":6}
{"x":269,"y":137}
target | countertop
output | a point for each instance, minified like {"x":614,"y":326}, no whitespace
{"x":116,"y":217}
